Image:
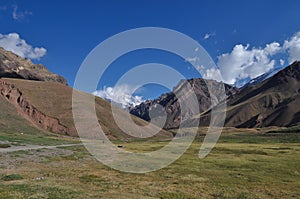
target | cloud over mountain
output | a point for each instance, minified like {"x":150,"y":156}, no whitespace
{"x":244,"y":63}
{"x":14,"y":43}
{"x":121,"y":94}
{"x":293,"y":47}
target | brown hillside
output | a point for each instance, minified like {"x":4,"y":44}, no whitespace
{"x":273,"y":102}
{"x":48,"y":106}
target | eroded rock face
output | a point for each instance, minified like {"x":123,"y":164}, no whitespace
{"x":206,"y":97}
{"x":14,"y":66}
{"x":26,"y":109}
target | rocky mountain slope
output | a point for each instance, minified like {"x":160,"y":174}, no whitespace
{"x":272,"y":102}
{"x":14,"y":66}
{"x":171,"y":105}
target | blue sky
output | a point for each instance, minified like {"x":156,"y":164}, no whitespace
{"x":69,"y":30}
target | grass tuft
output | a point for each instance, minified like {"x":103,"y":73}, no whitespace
{"x":12,"y":177}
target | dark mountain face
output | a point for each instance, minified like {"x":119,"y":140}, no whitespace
{"x":14,"y":66}
{"x":273,"y":102}
{"x":169,"y":106}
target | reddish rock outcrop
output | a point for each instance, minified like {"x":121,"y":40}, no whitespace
{"x":26,"y":109}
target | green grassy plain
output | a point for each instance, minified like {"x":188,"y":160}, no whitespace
{"x":242,"y":165}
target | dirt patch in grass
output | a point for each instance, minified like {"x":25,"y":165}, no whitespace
{"x":4,"y":145}
{"x":13,"y":159}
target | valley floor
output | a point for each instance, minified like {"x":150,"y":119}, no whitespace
{"x":242,"y":165}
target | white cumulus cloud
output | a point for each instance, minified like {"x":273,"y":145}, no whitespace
{"x":12,"y":42}
{"x":121,"y":94}
{"x":245,"y":62}
{"x":272,"y":48}
{"x":293,"y":47}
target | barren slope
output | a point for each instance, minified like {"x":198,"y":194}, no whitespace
{"x":274,"y":102}
{"x":50,"y":107}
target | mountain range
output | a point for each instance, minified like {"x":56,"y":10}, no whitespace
{"x":171,"y":103}
{"x":31,"y":96}
{"x":266,"y":101}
